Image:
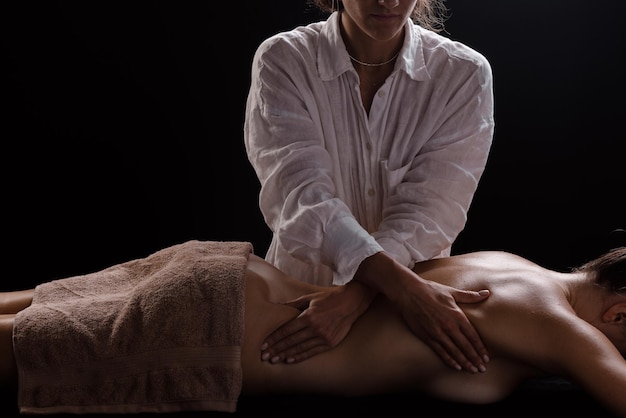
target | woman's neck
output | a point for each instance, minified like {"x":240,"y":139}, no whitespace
{"x":366,"y":51}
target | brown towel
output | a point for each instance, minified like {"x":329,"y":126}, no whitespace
{"x":158,"y":334}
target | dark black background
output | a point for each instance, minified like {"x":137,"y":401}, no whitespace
{"x":122,"y":128}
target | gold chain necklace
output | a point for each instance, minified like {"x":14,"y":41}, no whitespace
{"x":378,"y":64}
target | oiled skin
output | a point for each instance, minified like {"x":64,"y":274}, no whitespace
{"x":527,"y":322}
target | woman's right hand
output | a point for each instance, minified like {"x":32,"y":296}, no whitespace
{"x":325,"y":319}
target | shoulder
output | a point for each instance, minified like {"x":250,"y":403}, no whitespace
{"x":435,"y":43}
{"x":441,"y":50}
{"x":301,"y":41}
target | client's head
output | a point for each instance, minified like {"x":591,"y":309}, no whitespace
{"x":608,"y":271}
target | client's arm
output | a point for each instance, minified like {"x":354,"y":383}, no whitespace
{"x":585,"y":355}
{"x":553,"y":339}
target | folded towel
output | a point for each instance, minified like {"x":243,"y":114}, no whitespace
{"x":157,"y":334}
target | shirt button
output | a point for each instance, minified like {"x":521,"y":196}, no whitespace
{"x":368,"y":146}
{"x":371,"y":192}
{"x":382,"y":93}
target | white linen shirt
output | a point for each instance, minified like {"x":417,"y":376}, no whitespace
{"x":339,"y":185}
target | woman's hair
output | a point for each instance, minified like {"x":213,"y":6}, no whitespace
{"x":608,"y":270}
{"x":429,"y":14}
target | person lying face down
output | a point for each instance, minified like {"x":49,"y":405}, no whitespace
{"x":537,"y":322}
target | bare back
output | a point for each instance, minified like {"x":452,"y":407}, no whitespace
{"x":380,"y":354}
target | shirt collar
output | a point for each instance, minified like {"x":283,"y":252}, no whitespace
{"x":333,"y":59}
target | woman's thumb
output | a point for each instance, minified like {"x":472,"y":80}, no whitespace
{"x":300,"y":303}
{"x":470,"y":296}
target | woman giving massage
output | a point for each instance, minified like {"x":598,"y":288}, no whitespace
{"x":536,"y":322}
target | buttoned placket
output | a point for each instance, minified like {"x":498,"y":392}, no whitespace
{"x":376,"y":130}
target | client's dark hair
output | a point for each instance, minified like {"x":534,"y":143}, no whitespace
{"x":608,"y":270}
